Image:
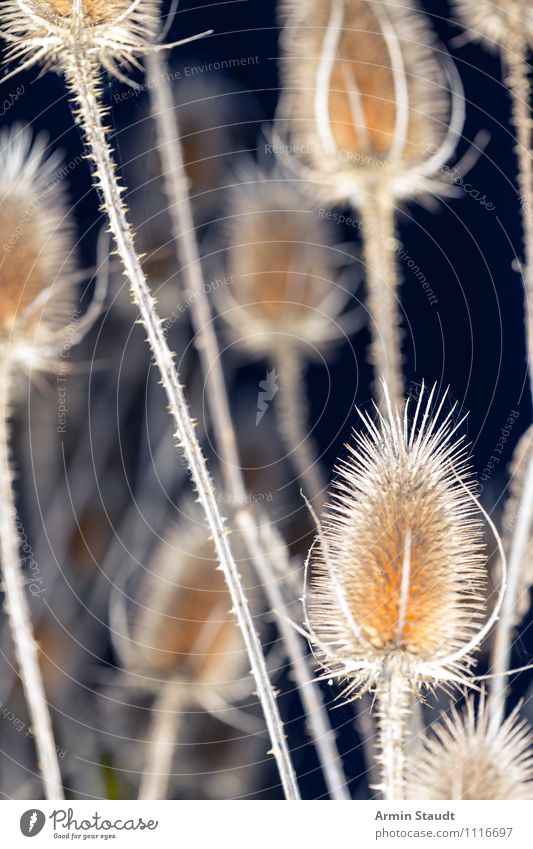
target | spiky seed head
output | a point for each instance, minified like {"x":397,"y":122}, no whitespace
{"x":184,"y":627}
{"x":282,"y":264}
{"x":36,"y":250}
{"x":465,"y":756}
{"x":114,"y":32}
{"x":398,"y":573}
{"x":497,"y":23}
{"x":367,"y":97}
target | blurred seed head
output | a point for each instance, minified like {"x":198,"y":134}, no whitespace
{"x":282,"y":265}
{"x":497,"y":23}
{"x":398,"y":574}
{"x":114,"y":31}
{"x":36,"y":249}
{"x":368,"y":97}
{"x":184,"y":628}
{"x":465,"y":757}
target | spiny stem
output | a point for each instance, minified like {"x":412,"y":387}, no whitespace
{"x":19,"y":613}
{"x":165,"y":723}
{"x":82,"y":77}
{"x":293,"y":416}
{"x":379,"y":236}
{"x":393,"y":704}
{"x":176,"y":184}
{"x":517,"y":79}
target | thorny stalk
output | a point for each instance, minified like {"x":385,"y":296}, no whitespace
{"x":18,"y":611}
{"x":82,"y":77}
{"x":177,"y":189}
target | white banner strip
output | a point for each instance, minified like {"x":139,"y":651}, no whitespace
{"x":265,"y":825}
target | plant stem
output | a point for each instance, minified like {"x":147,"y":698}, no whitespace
{"x":380,"y":256}
{"x":393,"y":705}
{"x":165,"y":722}
{"x":18,"y":611}
{"x":293,"y":416}
{"x":176,"y":184}
{"x":517,"y":79}
{"x":82,"y":77}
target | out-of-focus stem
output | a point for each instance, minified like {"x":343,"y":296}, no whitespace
{"x":293,"y":417}
{"x":380,"y":256}
{"x":165,"y":723}
{"x":82,"y":76}
{"x":18,"y":612}
{"x":177,"y":189}
{"x":517,"y":78}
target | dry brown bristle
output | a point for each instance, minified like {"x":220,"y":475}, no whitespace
{"x":465,"y":757}
{"x":497,"y":23}
{"x":400,"y":568}
{"x":365,"y":94}
{"x":184,"y":628}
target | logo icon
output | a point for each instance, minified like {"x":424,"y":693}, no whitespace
{"x":32,"y":822}
{"x":269,"y":388}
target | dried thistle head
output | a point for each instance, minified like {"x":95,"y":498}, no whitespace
{"x":114,"y":32}
{"x":282,"y":264}
{"x":398,"y":575}
{"x":36,"y":250}
{"x":367,"y":97}
{"x":466,"y":757}
{"x":184,"y":628}
{"x":497,"y":23}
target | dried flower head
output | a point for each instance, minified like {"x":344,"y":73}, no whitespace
{"x":113,"y":31}
{"x":467,"y":757}
{"x":398,"y":576}
{"x":367,"y":97}
{"x":184,"y":628}
{"x":497,"y":23}
{"x":282,"y":264}
{"x":36,"y":250}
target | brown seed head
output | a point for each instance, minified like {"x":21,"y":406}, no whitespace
{"x":184,"y":627}
{"x":367,"y":96}
{"x":465,"y":757}
{"x":36,"y":249}
{"x":282,"y":264}
{"x":497,"y":23}
{"x":114,"y":31}
{"x":400,"y":568}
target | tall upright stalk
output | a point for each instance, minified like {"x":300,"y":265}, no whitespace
{"x":176,"y":187}
{"x":19,"y":612}
{"x":517,"y":79}
{"x":81,"y":72}
{"x":394,"y":699}
{"x":293,"y":416}
{"x":165,"y":722}
{"x":379,"y":234}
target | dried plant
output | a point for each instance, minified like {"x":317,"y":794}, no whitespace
{"x":262,"y":553}
{"x":185,"y":642}
{"x":284,"y":302}
{"x":77,"y":40}
{"x":397,"y":574}
{"x":465,"y":756}
{"x":368,"y":99}
{"x":37,"y":299}
{"x":507,"y":26}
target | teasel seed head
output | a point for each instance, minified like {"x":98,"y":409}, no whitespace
{"x":113,"y":32}
{"x":465,"y":756}
{"x":497,"y":23}
{"x":37,"y":268}
{"x":397,"y":574}
{"x":283,"y":264}
{"x":369,"y":97}
{"x":184,"y":628}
